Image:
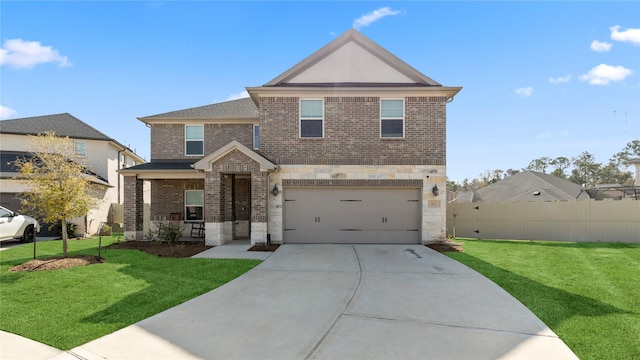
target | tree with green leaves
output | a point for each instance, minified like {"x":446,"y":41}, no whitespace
{"x":539,"y":165}
{"x":59,"y":186}
{"x":560,"y":164}
{"x":585,"y":170}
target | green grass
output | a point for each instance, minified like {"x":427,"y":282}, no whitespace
{"x":67,"y":308}
{"x":587,"y":293}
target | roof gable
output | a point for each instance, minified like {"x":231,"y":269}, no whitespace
{"x":205,"y":163}
{"x":352,"y":58}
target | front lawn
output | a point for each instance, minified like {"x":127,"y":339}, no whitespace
{"x":67,"y":308}
{"x":587,"y":293}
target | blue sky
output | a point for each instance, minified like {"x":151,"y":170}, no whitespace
{"x":539,"y":78}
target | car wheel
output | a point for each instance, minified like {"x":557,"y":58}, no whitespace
{"x":29,"y":234}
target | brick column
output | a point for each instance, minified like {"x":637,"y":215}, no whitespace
{"x":133,"y":208}
{"x":213,"y":208}
{"x":259,"y":184}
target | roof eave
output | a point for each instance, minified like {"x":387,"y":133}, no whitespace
{"x":193,"y":120}
{"x":449,"y":91}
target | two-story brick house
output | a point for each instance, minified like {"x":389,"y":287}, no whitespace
{"x":347,"y":146}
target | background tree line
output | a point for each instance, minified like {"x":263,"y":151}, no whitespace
{"x":582,"y":170}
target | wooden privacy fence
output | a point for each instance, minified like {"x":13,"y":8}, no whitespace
{"x":579,"y":221}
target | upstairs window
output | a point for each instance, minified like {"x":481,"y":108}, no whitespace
{"x":311,"y":118}
{"x":194,"y":140}
{"x":392,"y":118}
{"x":256,"y":137}
{"x":80,"y":148}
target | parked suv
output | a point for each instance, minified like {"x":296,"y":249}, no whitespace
{"x":16,"y":226}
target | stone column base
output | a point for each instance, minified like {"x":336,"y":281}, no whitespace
{"x":214,"y":234}
{"x":258,"y":233}
{"x":133,"y":235}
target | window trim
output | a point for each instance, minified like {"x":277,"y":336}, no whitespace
{"x":300,"y":119}
{"x":393,"y":118}
{"x":185,"y":139}
{"x":186,"y":213}
{"x":256,"y":146}
{"x":75,"y":148}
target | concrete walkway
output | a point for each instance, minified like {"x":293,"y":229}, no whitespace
{"x":341,"y":302}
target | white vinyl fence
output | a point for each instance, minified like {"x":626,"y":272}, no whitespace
{"x":588,"y":220}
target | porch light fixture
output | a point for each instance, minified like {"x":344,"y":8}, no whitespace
{"x":275,"y":191}
{"x":435,"y":190}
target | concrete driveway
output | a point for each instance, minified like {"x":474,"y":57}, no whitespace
{"x":341,"y":302}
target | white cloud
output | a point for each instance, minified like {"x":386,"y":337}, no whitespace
{"x":600,"y":46}
{"x":549,"y":134}
{"x":560,"y":79}
{"x":367,"y":19}
{"x":525,"y":91}
{"x":630,"y":35}
{"x":240,"y":95}
{"x":604,"y":74}
{"x":544,"y":135}
{"x":6,"y":112}
{"x":18,"y":53}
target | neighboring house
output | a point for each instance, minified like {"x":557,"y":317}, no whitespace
{"x":525,"y":186}
{"x":347,"y":146}
{"x":102,"y":155}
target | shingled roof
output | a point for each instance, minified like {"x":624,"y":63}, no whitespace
{"x":524,"y":186}
{"x":9,"y":170}
{"x":234,"y":109}
{"x":62,"y":124}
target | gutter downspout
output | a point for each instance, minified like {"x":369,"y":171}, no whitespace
{"x":119,"y":175}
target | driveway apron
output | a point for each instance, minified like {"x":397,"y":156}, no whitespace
{"x":341,"y":302}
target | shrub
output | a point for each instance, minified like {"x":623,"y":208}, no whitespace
{"x":169,"y":232}
{"x":105,"y":230}
{"x":71,"y":230}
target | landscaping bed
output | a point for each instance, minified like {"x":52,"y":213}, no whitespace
{"x":446,"y":246}
{"x":178,"y":249}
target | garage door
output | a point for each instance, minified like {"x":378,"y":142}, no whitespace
{"x":336,"y":215}
{"x":12,"y":202}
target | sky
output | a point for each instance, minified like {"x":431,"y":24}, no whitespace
{"x":539,"y":78}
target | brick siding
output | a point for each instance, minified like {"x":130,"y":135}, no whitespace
{"x":133,"y":209}
{"x":352,"y":133}
{"x":168,"y":197}
{"x":167,"y":140}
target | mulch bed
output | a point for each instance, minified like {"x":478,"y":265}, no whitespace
{"x":446,"y":246}
{"x":264,"y":247}
{"x":179,"y":249}
{"x":57,"y":263}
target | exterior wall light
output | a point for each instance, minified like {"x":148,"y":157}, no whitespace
{"x":275,"y":191}
{"x":435,"y":190}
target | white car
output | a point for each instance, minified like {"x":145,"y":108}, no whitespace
{"x":16,"y":226}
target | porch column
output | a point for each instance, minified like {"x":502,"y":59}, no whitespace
{"x":258,"y":206}
{"x":213,"y":210}
{"x":133,"y":208}
{"x":227,"y":205}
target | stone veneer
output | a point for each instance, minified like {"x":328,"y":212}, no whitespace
{"x":389,"y":176}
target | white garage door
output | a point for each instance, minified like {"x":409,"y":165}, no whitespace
{"x":365,"y":216}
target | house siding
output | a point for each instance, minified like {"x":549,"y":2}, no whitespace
{"x":352,"y":133}
{"x":168,"y":139}
{"x":169,"y":196}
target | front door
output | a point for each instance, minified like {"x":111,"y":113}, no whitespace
{"x":242,"y":207}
